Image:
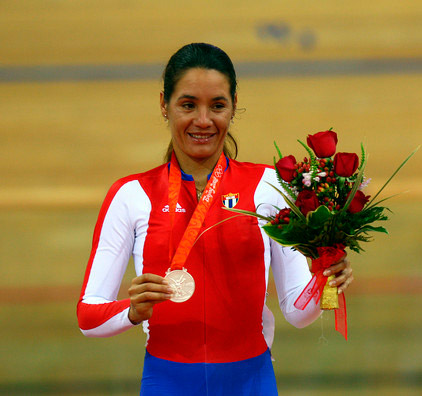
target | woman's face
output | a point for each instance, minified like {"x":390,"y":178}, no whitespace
{"x":199,"y":114}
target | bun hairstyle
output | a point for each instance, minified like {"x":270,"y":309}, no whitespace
{"x":205,"y":56}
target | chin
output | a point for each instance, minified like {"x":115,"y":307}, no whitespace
{"x":204,"y":153}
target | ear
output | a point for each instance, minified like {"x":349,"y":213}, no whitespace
{"x":163,"y":105}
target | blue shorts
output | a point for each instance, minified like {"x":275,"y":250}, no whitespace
{"x":250,"y":377}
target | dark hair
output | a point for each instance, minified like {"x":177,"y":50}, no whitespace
{"x":205,"y":56}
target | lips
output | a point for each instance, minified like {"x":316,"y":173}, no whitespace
{"x":203,"y":138}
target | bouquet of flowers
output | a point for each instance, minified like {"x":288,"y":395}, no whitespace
{"x":327,"y":212}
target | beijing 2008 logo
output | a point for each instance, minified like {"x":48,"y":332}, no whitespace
{"x":219,"y":171}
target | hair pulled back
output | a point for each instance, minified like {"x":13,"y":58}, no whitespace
{"x":205,"y":56}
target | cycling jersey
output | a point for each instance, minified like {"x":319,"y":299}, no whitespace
{"x":223,"y":321}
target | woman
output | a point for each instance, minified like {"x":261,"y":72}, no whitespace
{"x":212,"y":343}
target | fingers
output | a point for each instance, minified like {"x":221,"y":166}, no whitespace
{"x":343,"y":280}
{"x":338,"y":267}
{"x":150,"y":292}
{"x":148,"y":278}
{"x":146,"y":291}
{"x":344,"y":275}
{"x":346,"y":284}
{"x":149,"y":287}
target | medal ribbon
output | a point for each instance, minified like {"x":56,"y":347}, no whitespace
{"x":198,"y":217}
{"x":327,"y":256}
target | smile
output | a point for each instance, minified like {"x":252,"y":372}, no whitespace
{"x":201,"y":137}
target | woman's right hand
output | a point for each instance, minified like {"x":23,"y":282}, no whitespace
{"x":146,"y":291}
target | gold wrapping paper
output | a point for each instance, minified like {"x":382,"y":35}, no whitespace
{"x":329,"y":298}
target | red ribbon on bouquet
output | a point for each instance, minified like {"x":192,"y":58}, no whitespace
{"x":327,"y":255}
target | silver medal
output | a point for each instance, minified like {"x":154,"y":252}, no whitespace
{"x":182,"y":283}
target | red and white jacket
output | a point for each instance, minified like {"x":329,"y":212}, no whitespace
{"x":223,"y":320}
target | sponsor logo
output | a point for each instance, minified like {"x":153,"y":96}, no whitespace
{"x":230,"y":200}
{"x":179,"y":209}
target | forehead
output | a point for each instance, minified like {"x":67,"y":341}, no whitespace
{"x":202,"y":82}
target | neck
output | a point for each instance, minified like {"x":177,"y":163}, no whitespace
{"x":199,"y":168}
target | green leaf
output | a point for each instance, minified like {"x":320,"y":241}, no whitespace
{"x":312,"y":157}
{"x":307,"y":251}
{"x":248,"y":213}
{"x":362,"y":157}
{"x":291,"y":204}
{"x":280,"y":235}
{"x":318,"y":217}
{"x":355,"y":187}
{"x":367,"y":228}
{"x":382,"y":200}
{"x":395,"y":172}
{"x":278,"y":150}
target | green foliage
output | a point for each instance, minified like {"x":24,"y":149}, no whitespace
{"x":394,"y":173}
{"x":280,"y":156}
{"x":312,"y":158}
{"x":325,"y":228}
{"x":289,"y":202}
{"x":319,"y":217}
{"x":362,"y":157}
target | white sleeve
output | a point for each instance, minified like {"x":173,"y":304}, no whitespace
{"x":291,"y":275}
{"x":290,"y":268}
{"x":99,"y":313}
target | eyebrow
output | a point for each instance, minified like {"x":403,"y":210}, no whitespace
{"x":194,"y":97}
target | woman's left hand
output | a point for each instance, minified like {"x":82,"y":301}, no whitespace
{"x":343,"y":272}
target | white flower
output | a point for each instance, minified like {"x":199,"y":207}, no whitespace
{"x":364,"y":183}
{"x":306,"y":179}
{"x":306,"y":176}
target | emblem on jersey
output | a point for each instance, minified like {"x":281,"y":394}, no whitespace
{"x":230,"y":200}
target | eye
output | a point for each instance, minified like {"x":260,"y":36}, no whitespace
{"x":188,"y":105}
{"x":219,"y":106}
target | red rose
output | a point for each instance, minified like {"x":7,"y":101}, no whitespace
{"x":345,"y":164}
{"x":307,"y":201}
{"x":286,"y":167}
{"x":323,"y":143}
{"x":327,"y":256}
{"x":358,"y":202}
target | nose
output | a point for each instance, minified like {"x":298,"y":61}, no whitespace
{"x":203,"y":119}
